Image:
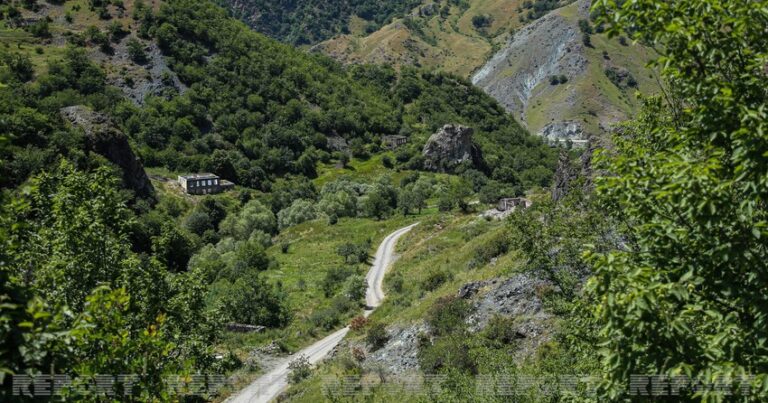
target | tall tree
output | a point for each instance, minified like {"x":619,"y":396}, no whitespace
{"x":688,"y":177}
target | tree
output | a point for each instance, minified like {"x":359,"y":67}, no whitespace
{"x":172,"y":247}
{"x":300,"y":211}
{"x":251,"y":300}
{"x":79,"y":222}
{"x":136,"y":51}
{"x":687,"y":294}
{"x":377,"y":336}
{"x":253,"y":217}
{"x":407,"y":201}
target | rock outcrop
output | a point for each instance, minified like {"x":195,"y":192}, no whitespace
{"x":561,"y":131}
{"x":104,"y":138}
{"x":565,"y":174}
{"x":449,"y":147}
{"x":517,"y":297}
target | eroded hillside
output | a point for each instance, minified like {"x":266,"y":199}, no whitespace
{"x":563,"y":80}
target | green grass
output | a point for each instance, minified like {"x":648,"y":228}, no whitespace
{"x":365,"y":171}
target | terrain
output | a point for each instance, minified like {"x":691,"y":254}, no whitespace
{"x":105,"y":103}
{"x":556,"y":83}
{"x":268,"y":386}
{"x":628,"y":259}
{"x":564,"y":83}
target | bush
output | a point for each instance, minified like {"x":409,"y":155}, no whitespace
{"x":299,"y":369}
{"x":334,"y":277}
{"x":326,"y":319}
{"x":435,"y":279}
{"x":300,"y":211}
{"x":136,"y":51}
{"x":501,"y":330}
{"x":377,"y":336}
{"x":358,"y":323}
{"x":355,"y":287}
{"x":482,"y":21}
{"x":447,"y":315}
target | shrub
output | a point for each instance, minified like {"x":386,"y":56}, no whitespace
{"x":482,"y":21}
{"x":334,"y":277}
{"x":501,"y":330}
{"x":326,"y":319}
{"x":299,"y":369}
{"x":358,"y":323}
{"x":435,"y":279}
{"x":447,"y":315}
{"x":377,"y":336}
{"x":300,"y":211}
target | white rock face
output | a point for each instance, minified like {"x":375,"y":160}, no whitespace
{"x":550,"y":46}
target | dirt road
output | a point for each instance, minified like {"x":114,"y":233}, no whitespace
{"x":269,"y":385}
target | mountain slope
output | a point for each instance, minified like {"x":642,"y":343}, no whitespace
{"x":513,"y":55}
{"x":437,"y":34}
{"x":601,"y":78}
{"x":207,"y":94}
{"x":311,"y":21}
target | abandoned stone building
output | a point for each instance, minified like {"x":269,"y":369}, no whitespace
{"x":393,"y":142}
{"x":508,"y":204}
{"x":202,"y":184}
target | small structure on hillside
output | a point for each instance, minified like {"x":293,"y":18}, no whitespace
{"x":508,"y":204}
{"x":203,"y":184}
{"x":393,"y":142}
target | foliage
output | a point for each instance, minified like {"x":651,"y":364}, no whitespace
{"x":299,"y":369}
{"x":686,"y":294}
{"x":298,"y":212}
{"x":251,"y":300}
{"x":377,"y":336}
{"x":308,"y":22}
{"x":253,"y":217}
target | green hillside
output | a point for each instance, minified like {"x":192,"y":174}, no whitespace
{"x":311,"y":21}
{"x":96,"y":91}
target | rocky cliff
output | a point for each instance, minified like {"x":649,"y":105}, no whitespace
{"x":449,"y":147}
{"x":558,"y":84}
{"x":104,"y":138}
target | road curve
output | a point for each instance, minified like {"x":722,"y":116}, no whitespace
{"x":269,"y":385}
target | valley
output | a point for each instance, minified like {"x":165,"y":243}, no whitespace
{"x":411,"y":200}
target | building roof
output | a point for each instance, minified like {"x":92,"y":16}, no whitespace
{"x":200,"y":176}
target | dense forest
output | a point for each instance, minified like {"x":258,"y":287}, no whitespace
{"x":307,"y":22}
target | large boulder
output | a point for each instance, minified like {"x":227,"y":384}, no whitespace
{"x":104,"y":138}
{"x":449,"y":147}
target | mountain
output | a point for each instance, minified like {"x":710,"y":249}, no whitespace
{"x":518,"y":54}
{"x":565,"y":81}
{"x":456,"y":37}
{"x":311,"y":21}
{"x":195,"y":90}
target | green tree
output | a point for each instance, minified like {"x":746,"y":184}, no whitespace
{"x":136,"y":51}
{"x":253,"y":217}
{"x":687,"y":294}
{"x":300,"y":211}
{"x":79,"y":222}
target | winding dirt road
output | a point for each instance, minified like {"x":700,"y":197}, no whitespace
{"x":269,"y":385}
